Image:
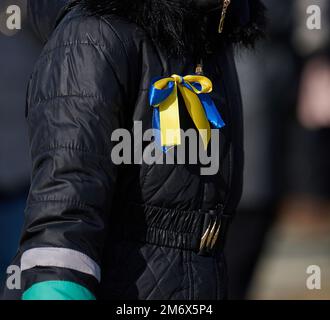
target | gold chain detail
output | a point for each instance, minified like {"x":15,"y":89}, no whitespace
{"x":226,"y":4}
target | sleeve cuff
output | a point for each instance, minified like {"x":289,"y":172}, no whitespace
{"x":57,"y":290}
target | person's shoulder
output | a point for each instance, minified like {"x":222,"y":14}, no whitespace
{"x":90,"y":44}
{"x":111,"y":33}
{"x":77,"y":28}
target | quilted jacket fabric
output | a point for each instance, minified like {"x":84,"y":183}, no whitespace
{"x":134,"y":229}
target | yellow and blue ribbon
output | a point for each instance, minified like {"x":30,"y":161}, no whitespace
{"x":195,"y":91}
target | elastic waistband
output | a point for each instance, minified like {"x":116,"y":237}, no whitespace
{"x":199,"y":231}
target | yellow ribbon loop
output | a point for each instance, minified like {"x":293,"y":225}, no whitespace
{"x":190,"y":87}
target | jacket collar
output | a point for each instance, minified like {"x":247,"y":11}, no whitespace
{"x":178,"y":27}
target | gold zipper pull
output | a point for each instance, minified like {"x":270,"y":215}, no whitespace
{"x":225,"y":6}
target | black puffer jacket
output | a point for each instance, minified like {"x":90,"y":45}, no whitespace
{"x":131,"y":231}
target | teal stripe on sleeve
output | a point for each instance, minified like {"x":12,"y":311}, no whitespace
{"x":57,"y":290}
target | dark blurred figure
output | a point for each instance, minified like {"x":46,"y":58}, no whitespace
{"x":50,"y":11}
{"x":268,"y":81}
{"x":280,"y":158}
{"x":19,"y":50}
{"x":309,"y":162}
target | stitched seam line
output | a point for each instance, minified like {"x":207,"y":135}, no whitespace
{"x":75,"y":203}
{"x":79,"y":95}
{"x":55,"y":148}
{"x":71,"y":44}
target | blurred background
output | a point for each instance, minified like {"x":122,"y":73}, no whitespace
{"x":19,"y":51}
{"x":283,"y":224}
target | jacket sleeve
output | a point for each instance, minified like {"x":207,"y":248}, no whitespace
{"x":74,"y":104}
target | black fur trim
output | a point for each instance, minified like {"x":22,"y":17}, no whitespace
{"x":255,"y":29}
{"x":177,"y":26}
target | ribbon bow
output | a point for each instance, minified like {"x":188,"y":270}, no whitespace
{"x":195,"y":91}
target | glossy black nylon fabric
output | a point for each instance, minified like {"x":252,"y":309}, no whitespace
{"x":92,"y":78}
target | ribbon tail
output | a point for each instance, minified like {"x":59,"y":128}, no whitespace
{"x":197,"y":114}
{"x":165,"y":119}
{"x":170,"y":120}
{"x":211,"y":111}
{"x":156,"y":130}
{"x":156,"y":126}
